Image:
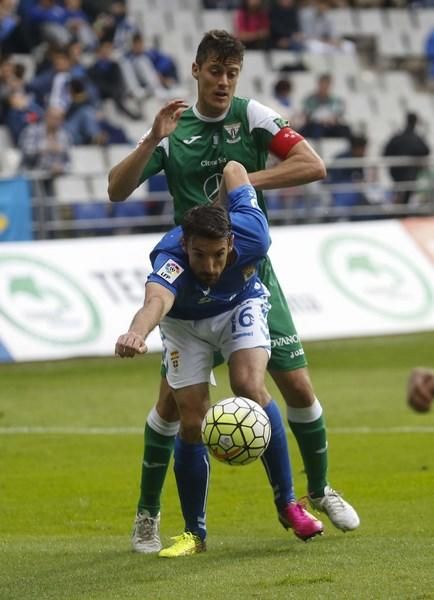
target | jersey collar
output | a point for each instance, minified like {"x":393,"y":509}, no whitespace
{"x":198,"y":115}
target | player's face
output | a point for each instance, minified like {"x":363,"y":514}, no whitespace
{"x":216,"y":84}
{"x":207,"y":258}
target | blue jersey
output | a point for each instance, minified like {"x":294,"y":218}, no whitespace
{"x":238,"y":281}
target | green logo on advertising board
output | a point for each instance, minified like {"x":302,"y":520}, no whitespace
{"x":45,"y":302}
{"x":377,"y":277}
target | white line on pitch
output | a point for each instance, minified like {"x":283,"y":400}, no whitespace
{"x":31,"y":430}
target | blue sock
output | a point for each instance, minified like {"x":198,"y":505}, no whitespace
{"x":192,"y":478}
{"x":276,"y":459}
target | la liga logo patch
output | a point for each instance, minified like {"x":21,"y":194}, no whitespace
{"x":170,"y":271}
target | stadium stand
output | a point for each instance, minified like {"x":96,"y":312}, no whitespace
{"x":380,"y":81}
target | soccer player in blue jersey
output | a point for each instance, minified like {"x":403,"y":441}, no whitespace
{"x":204,"y":292}
{"x":191,"y":144}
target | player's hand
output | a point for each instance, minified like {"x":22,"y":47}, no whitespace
{"x":420,"y":389}
{"x":129,"y":344}
{"x":167,"y":119}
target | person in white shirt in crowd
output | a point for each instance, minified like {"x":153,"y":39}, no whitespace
{"x":319,"y":31}
{"x":142,"y":78}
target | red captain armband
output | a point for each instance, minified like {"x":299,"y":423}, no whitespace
{"x":284,"y":141}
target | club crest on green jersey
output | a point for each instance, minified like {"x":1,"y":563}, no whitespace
{"x":233,"y":131}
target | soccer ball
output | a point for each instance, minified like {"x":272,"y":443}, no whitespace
{"x":236,"y":430}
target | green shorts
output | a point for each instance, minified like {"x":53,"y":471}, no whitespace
{"x":287,"y":352}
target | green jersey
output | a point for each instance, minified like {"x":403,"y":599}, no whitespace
{"x":193,"y":158}
{"x":194,"y":155}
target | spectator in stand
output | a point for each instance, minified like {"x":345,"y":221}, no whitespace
{"x":47,"y":23}
{"x":283,"y":102}
{"x":51,"y":84}
{"x":282,"y":90}
{"x":319,"y":30}
{"x":351,"y":179}
{"x":285,"y":29}
{"x":107,"y":76}
{"x":45,"y":148}
{"x":22,"y":111}
{"x":11,"y":80}
{"x":165,"y":67}
{"x":323,"y":112}
{"x":81,"y":118}
{"x":78,"y":24}
{"x":115,"y":24}
{"x":406,"y":143}
{"x":84,"y":122}
{"x":252,"y":24}
{"x":78,"y":70}
{"x":94,"y":8}
{"x":141,"y":77}
{"x":45,"y":145}
{"x":8,"y":25}
{"x":429,"y":55}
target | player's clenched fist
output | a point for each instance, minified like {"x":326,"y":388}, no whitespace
{"x":420,"y":389}
{"x":129,"y":344}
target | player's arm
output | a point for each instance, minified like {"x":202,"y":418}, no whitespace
{"x":299,"y":165}
{"x":158,"y":302}
{"x":234,"y":175}
{"x":250,"y":220}
{"x":125,"y":176}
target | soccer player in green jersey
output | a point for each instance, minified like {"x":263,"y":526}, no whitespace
{"x":192,"y":145}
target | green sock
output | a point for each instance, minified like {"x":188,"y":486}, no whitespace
{"x":312,"y":441}
{"x":156,"y":458}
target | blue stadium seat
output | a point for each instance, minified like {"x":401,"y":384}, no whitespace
{"x":130,"y":209}
{"x":157,"y":183}
{"x":92,"y":211}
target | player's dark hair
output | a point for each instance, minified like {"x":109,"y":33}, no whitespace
{"x":207,"y":221}
{"x":221,"y":44}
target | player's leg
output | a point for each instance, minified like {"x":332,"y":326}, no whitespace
{"x":288,"y":367}
{"x":161,"y":427}
{"x":188,"y":376}
{"x":248,"y":356}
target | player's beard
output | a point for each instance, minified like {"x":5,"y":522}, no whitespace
{"x":207,"y":280}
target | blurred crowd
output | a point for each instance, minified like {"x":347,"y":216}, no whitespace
{"x":234,"y":4}
{"x":321,"y":116}
{"x":84,"y":54}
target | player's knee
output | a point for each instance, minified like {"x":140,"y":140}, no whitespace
{"x":252,"y":389}
{"x":166,"y":406}
{"x":295,"y":387}
{"x":190,"y":430}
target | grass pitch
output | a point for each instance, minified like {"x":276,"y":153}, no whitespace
{"x":70,"y":453}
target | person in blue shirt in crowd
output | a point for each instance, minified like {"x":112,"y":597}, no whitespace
{"x":22,"y":111}
{"x":205,"y":293}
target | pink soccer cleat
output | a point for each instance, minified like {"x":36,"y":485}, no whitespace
{"x":296,"y":517}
